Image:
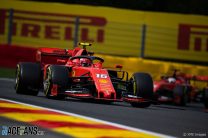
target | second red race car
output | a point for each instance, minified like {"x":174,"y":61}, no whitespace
{"x":77,"y":73}
{"x":180,"y":89}
{"x":174,"y":89}
{"x":204,"y":89}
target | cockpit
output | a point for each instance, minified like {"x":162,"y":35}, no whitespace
{"x":87,"y":61}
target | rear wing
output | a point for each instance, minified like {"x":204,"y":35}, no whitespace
{"x":201,"y":78}
{"x":52,"y":55}
{"x":60,"y":56}
{"x":196,"y":77}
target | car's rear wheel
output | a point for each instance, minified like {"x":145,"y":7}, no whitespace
{"x":205,"y":98}
{"x":57,"y":75}
{"x":28,"y":78}
{"x":142,"y":87}
{"x":180,"y":95}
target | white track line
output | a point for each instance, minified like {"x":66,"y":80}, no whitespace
{"x":94,"y":119}
{"x":7,"y":79}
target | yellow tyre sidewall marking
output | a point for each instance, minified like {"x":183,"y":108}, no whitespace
{"x":48,"y":76}
{"x":17,"y":77}
{"x":134,"y":86}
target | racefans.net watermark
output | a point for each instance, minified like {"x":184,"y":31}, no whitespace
{"x":21,"y":130}
{"x":197,"y":134}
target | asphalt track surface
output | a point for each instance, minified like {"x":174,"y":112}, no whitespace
{"x":165,"y":119}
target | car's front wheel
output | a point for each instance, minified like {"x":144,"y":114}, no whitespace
{"x":56,"y":75}
{"x":142,"y":87}
{"x":180,"y":95}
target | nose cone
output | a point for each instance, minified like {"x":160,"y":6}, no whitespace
{"x":107,"y":94}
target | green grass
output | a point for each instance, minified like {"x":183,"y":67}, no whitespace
{"x":7,"y":72}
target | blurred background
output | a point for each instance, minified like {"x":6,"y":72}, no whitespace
{"x":152,"y":36}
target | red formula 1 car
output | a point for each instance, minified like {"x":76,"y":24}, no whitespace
{"x":175,"y":89}
{"x":77,"y":73}
{"x":204,"y":90}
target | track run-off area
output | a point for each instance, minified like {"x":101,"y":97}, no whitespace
{"x":82,"y":119}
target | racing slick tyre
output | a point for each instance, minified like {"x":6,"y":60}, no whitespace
{"x":205,"y":98}
{"x":180,"y":95}
{"x":56,"y":75}
{"x":28,"y":78}
{"x":142,"y":87}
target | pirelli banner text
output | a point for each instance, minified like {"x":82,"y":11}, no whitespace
{"x":112,"y":31}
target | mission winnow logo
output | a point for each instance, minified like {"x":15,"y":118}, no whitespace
{"x":21,"y":130}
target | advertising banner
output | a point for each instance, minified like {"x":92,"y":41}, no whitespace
{"x":112,"y":31}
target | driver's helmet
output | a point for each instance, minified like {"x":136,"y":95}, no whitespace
{"x":171,"y":80}
{"x":85,"y":62}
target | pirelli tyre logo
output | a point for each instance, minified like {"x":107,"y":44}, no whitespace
{"x":53,"y":26}
{"x":193,"y":37}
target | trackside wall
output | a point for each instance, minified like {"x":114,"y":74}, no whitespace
{"x":154,"y":67}
{"x":11,"y":55}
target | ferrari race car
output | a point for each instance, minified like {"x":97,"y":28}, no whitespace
{"x":204,"y":90}
{"x":77,"y":73}
{"x":179,"y":90}
{"x":175,"y":89}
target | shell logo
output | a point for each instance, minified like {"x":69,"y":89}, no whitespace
{"x":73,"y":73}
{"x":103,"y":81}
